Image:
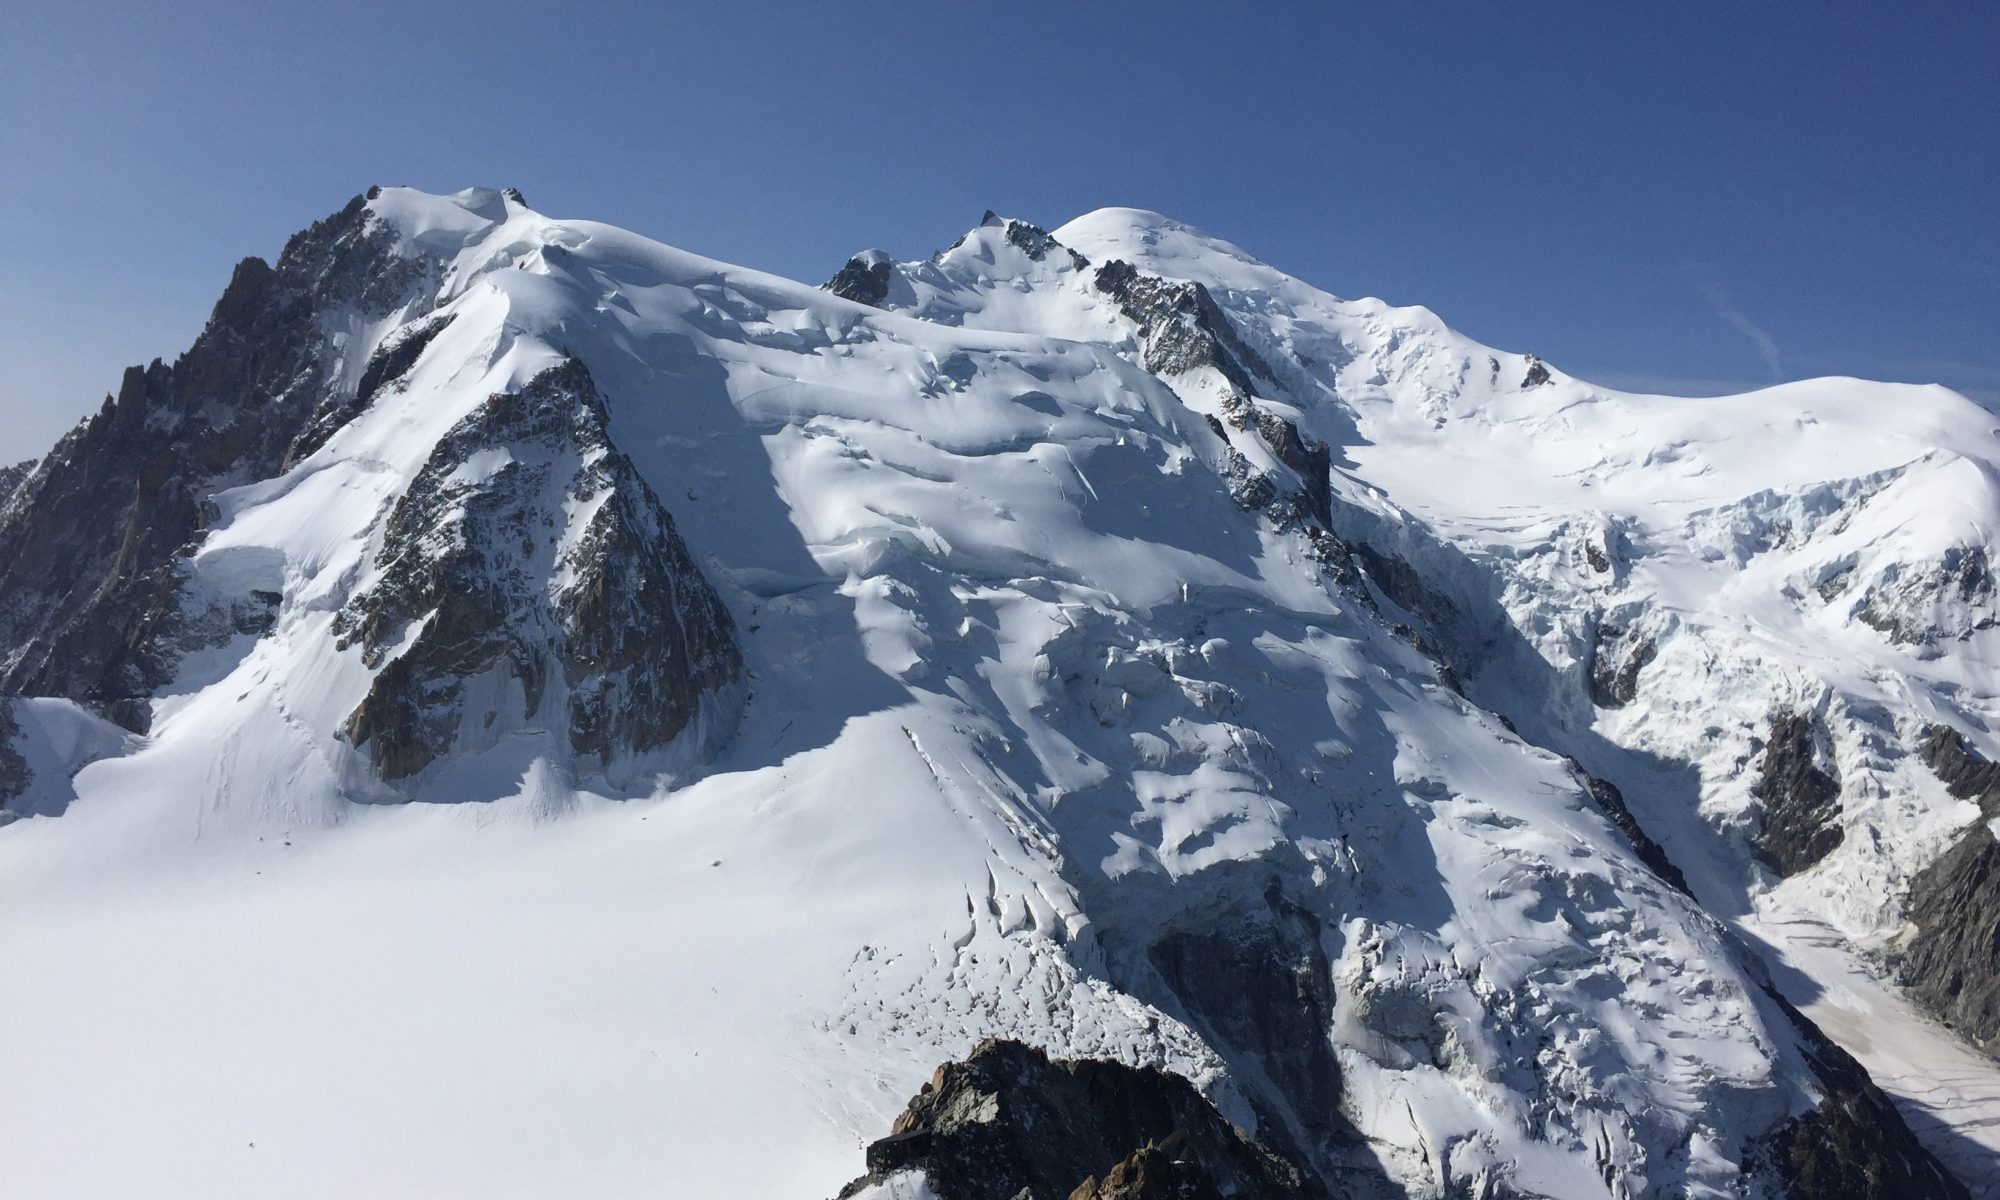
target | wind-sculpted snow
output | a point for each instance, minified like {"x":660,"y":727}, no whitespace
{"x":1102,"y":687}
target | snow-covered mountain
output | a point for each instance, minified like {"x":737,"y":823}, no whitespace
{"x":521,"y":710}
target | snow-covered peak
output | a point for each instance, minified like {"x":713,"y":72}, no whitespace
{"x":1428,"y":396}
{"x":1072,"y":637}
{"x":1003,"y":274}
{"x":441,"y":222}
{"x":1160,"y":245}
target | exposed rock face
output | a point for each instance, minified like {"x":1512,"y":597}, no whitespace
{"x":1033,"y":240}
{"x":1311,"y":460}
{"x":1404,"y":587}
{"x":1258,"y":986}
{"x":1948,"y":600}
{"x":864,"y":280}
{"x":1250,"y":488}
{"x":11,"y":479}
{"x":396,"y":355}
{"x":1612,"y":802}
{"x":1165,"y":1170}
{"x":13,"y":768}
{"x":1029,"y":238}
{"x":1600,"y":561}
{"x":1801,"y":809}
{"x":1036,"y":242}
{"x":1181,"y":327}
{"x":1965,"y":773}
{"x":1537,"y":373}
{"x":553,"y":567}
{"x":1306,"y":509}
{"x":89,"y":541}
{"x":1008,"y":1123}
{"x":1855,"y":1146}
{"x":1952,"y":965}
{"x":1615,"y":665}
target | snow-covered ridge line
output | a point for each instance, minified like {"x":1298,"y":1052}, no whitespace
{"x":1078,"y":705}
{"x":1653,"y":584}
{"x":1435,"y":409}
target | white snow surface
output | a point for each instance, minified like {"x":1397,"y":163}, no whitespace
{"x":1749,"y":536}
{"x":1027,"y":688}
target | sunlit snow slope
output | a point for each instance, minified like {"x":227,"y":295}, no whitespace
{"x":1130,"y":669}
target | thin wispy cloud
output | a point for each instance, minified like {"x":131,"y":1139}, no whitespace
{"x":1718,"y":299}
{"x":1658,"y":384}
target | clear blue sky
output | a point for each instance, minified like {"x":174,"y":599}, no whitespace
{"x":1677,"y":195}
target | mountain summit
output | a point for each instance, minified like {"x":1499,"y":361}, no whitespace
{"x":519,"y":709}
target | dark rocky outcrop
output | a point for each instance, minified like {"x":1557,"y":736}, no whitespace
{"x":1966,"y":573}
{"x":89,"y":542}
{"x":1257,"y":985}
{"x":13,"y":768}
{"x":1611,"y":802}
{"x":1949,"y":600}
{"x":1952,"y":964}
{"x":11,"y":479}
{"x":1537,"y":373}
{"x":1037,"y":243}
{"x":396,"y":355}
{"x":864,"y":280}
{"x":1251,"y":489}
{"x":1009,"y":1123}
{"x":1854,"y":1146}
{"x":1180,"y":326}
{"x":1396,"y":579}
{"x":603,"y":613}
{"x":1164,"y":1170}
{"x":1310,"y":459}
{"x":1964,"y":772}
{"x":1615,"y":663}
{"x":1029,"y":238}
{"x":1181,"y":329}
{"x":1305,"y":511}
{"x":1801,"y":801}
{"x":1835,"y":579}
{"x":1400,"y":583}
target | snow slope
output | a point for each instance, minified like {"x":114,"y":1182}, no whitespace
{"x":1036,"y":716}
{"x":1816,"y":547}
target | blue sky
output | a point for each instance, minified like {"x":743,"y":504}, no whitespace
{"x":1657,"y":195}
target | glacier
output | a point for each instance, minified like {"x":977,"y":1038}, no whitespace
{"x":1091,"y":637}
